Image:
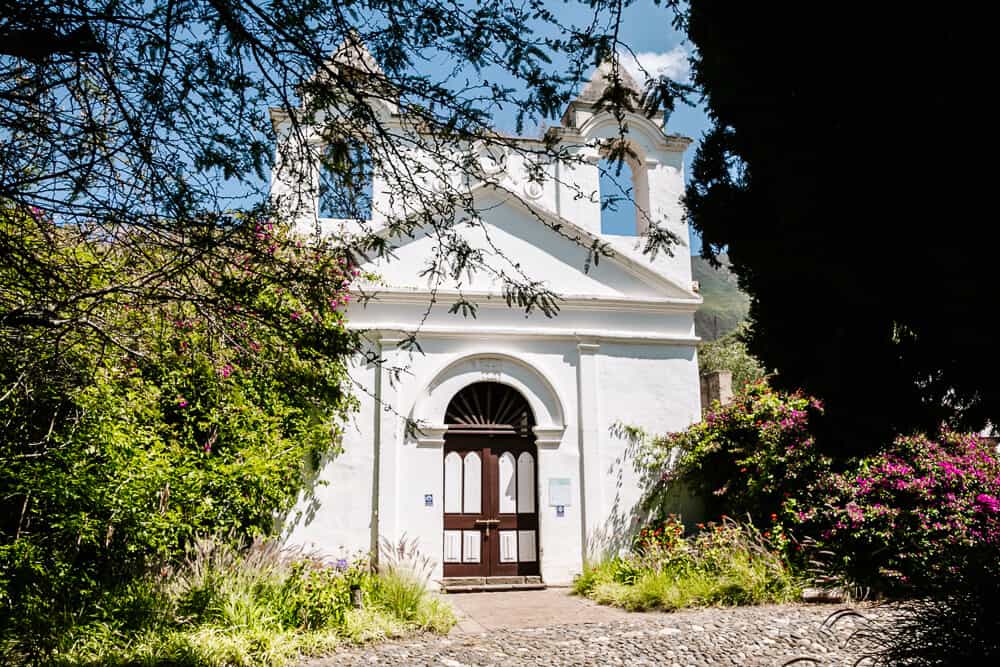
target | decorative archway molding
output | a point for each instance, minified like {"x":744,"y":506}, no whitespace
{"x":428,"y":410}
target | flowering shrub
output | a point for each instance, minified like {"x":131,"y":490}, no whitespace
{"x":909,"y":516}
{"x":744,"y":458}
{"x":151,"y":420}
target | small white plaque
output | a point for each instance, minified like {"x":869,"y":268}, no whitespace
{"x":559,"y":491}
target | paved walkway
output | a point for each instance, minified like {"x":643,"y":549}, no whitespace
{"x":483,"y":612}
{"x":552,"y":628}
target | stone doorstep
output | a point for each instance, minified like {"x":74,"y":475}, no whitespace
{"x":490,"y":588}
{"x":474,"y":584}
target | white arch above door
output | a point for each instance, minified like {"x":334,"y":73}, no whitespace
{"x":546,"y":406}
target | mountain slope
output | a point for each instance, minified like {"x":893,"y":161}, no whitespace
{"x":725,"y":305}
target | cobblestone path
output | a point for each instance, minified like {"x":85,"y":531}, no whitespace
{"x":770,"y":635}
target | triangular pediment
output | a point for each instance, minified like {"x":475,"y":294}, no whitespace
{"x":526,"y":243}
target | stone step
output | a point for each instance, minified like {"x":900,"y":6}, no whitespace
{"x":477,"y":584}
{"x":491,"y":588}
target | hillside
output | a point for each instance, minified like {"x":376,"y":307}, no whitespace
{"x":725,"y":305}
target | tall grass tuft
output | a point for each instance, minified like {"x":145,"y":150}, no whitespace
{"x":728,"y":564}
{"x":404,"y":573}
{"x":262,"y":605}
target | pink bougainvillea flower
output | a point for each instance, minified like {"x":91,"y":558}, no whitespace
{"x":988,"y":503}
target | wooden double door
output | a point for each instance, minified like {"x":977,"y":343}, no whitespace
{"x":490,"y":506}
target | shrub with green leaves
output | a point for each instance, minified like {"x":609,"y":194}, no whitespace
{"x":745,"y":458}
{"x":723,"y":564}
{"x":730,"y":353}
{"x":910,"y":518}
{"x":144,"y":423}
{"x":228,"y":606}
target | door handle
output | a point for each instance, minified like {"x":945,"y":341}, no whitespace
{"x":488,"y":523}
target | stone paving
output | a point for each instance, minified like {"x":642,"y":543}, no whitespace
{"x":516,"y":629}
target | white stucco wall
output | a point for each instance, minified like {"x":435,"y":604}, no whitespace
{"x":638,"y":384}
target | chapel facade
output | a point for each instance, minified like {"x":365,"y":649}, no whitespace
{"x":517,"y":466}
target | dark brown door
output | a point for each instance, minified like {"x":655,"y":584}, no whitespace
{"x":490,"y":506}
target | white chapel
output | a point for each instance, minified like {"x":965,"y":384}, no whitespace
{"x":515,"y":467}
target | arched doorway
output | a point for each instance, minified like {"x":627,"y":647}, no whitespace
{"x":490,"y":484}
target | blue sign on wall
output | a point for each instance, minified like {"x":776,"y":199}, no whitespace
{"x":428,"y":500}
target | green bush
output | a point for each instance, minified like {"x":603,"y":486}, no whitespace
{"x":725,"y":564}
{"x":124,"y":438}
{"x":265,"y":605}
{"x":745,"y":458}
{"x":906,"y":520}
{"x":730,"y":353}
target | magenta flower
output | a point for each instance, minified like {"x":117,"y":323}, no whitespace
{"x":988,"y":503}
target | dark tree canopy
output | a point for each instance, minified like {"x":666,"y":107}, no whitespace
{"x":839,"y":175}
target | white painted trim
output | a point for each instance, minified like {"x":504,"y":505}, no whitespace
{"x":469,"y":333}
{"x":547,"y":406}
{"x":548,"y":436}
{"x":431,"y":436}
{"x":482,"y":298}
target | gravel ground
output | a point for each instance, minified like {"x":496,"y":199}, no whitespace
{"x":770,"y":635}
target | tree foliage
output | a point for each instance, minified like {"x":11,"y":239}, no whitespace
{"x":730,"y":353}
{"x":123,"y":440}
{"x":157,"y":117}
{"x":745,"y":459}
{"x":847,"y":208}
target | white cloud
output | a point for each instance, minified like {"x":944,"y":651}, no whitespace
{"x":673,"y":63}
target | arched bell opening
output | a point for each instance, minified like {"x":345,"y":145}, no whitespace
{"x":490,"y":484}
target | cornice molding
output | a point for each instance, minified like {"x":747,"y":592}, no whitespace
{"x":402,"y":295}
{"x":585,"y":336}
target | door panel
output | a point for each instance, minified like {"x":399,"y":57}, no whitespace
{"x":472,"y":483}
{"x":507,"y":492}
{"x":525,"y":483}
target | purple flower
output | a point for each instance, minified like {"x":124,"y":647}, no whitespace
{"x":341,"y":564}
{"x":988,"y":503}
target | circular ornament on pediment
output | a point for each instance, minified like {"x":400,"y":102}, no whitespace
{"x":533,"y":189}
